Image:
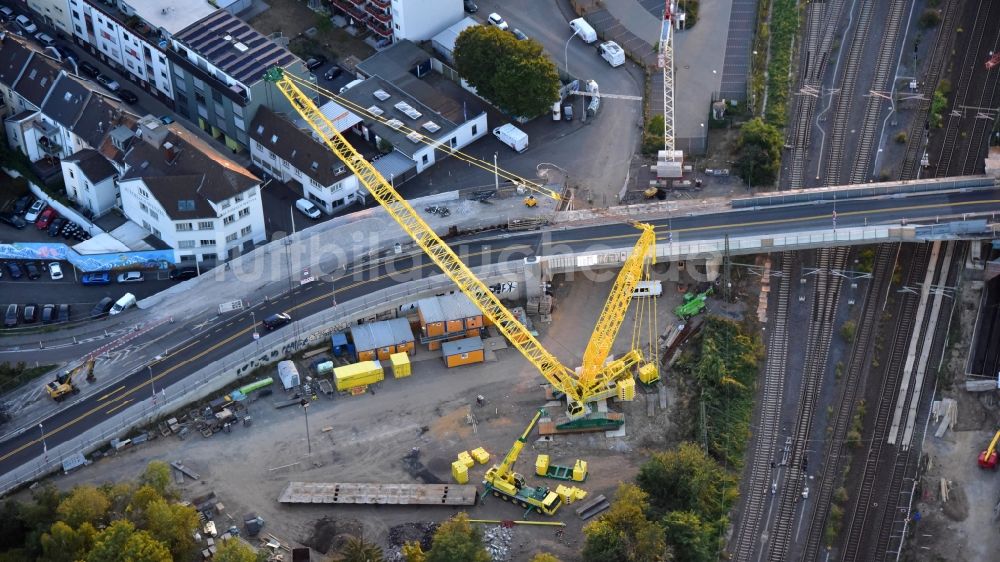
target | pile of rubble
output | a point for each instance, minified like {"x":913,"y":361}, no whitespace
{"x":497,"y":540}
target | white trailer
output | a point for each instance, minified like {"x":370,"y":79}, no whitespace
{"x":613,"y":53}
{"x":512,"y":137}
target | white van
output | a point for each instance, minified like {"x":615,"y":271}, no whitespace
{"x":648,"y":289}
{"x":583,"y":29}
{"x":307,"y":208}
{"x":127,"y":300}
{"x":557,"y":111}
{"x":350,"y":85}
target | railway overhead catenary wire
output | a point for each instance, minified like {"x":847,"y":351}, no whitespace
{"x":579,"y":392}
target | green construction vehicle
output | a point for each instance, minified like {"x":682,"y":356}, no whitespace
{"x":693,"y":304}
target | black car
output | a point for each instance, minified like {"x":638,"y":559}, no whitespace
{"x":30,"y":314}
{"x":13,"y":220}
{"x":101,"y":309}
{"x":56,"y":226}
{"x":48,"y":314}
{"x":89,"y":69}
{"x":127,"y":96}
{"x":471,"y":7}
{"x":10,"y":319}
{"x":333,"y":72}
{"x":276,"y":321}
{"x":63,"y":314}
{"x":66,"y":52}
{"x":22,"y":204}
{"x":315,"y":62}
{"x":33,"y":271}
{"x":519,"y":34}
{"x":182,"y":273}
{"x":14,"y":270}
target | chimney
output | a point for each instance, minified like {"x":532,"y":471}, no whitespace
{"x":168,"y":151}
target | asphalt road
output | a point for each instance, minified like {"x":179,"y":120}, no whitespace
{"x":236,"y":333}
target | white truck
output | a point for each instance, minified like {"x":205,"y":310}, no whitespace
{"x":613,"y":53}
{"x":512,"y":137}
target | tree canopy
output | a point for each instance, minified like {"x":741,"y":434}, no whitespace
{"x":515,"y":75}
{"x":624,"y":533}
{"x":457,"y":539}
{"x":759,"y":149}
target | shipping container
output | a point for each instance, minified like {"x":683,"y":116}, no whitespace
{"x":379,"y":340}
{"x":463,"y":352}
{"x":400,"y":365}
{"x":357,"y":375}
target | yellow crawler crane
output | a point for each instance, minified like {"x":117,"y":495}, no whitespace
{"x":598,"y":379}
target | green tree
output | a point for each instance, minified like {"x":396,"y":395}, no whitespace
{"x":759,"y":149}
{"x":687,"y":479}
{"x":456,"y":539}
{"x":357,"y":549}
{"x":515,"y":75}
{"x":413,"y":553}
{"x":64,"y":544}
{"x":238,"y":551}
{"x":691,"y":539}
{"x":623,"y":532}
{"x":85,"y":504}
{"x":157,"y":476}
{"x":121,"y":542}
{"x":544,"y":557}
{"x":174,"y":525}
{"x":13,"y":529}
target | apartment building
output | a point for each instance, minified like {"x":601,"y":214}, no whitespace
{"x":54,"y":13}
{"x":395,"y":20}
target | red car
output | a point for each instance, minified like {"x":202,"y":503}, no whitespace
{"x":44,"y":219}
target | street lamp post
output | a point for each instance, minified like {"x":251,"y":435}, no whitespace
{"x":152,"y":383}
{"x":575,"y":32}
{"x":45,"y":448}
{"x":305,"y":409}
{"x":496,"y":173}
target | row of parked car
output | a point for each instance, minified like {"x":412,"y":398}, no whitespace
{"x":32,"y":270}
{"x":32,"y":313}
{"x":28,"y":210}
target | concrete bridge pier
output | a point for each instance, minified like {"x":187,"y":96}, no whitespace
{"x":534,"y":278}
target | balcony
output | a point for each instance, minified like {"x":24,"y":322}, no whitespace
{"x":380,"y":30}
{"x":49,"y":147}
{"x":378,"y":14}
{"x":351,"y":10}
{"x":359,"y":3}
{"x":381,"y":3}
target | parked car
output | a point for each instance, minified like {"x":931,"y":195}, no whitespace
{"x":22,"y":204}
{"x":56,"y":226}
{"x":471,"y":7}
{"x":131,"y":277}
{"x":89,"y":69}
{"x":276,"y":321}
{"x":46,"y":218}
{"x":315,"y":62}
{"x":519,"y":34}
{"x":127,"y":96}
{"x":63,"y":314}
{"x":11,"y":317}
{"x":48,"y":314}
{"x":497,"y":21}
{"x":96,"y":278}
{"x":166,"y":119}
{"x":333,"y":72}
{"x":6,"y":14}
{"x":30,"y":314}
{"x":66,"y":52}
{"x":33,"y":271}
{"x":14,"y":270}
{"x":108,"y":82}
{"x":127,"y":300}
{"x":35,"y":210}
{"x":26,"y":24}
{"x":13,"y":220}
{"x":101,"y":309}
{"x":55,"y":271}
{"x":183,"y":273}
{"x":45,"y":39}
{"x":307,"y":208}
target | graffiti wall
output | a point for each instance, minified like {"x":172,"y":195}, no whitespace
{"x":42,"y":251}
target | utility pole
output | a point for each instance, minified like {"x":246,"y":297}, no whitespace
{"x":305,"y":409}
{"x":727,"y":272}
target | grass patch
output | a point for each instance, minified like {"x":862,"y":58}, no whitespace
{"x":784,"y":27}
{"x":13,"y":375}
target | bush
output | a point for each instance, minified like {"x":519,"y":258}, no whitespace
{"x":930,"y":18}
{"x":652,"y":138}
{"x":901,"y":138}
{"x":848,"y":329}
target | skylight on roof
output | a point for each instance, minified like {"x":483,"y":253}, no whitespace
{"x":432,"y":126}
{"x":274,"y":139}
{"x":241,"y":47}
{"x":394,"y":123}
{"x":260,"y":129}
{"x":185,"y":205}
{"x":375,"y":110}
{"x":408,"y":110}
{"x":415,"y":137}
{"x":382,"y":95}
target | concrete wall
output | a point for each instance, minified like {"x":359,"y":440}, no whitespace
{"x":418,"y":20}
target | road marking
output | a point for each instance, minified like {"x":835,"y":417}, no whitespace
{"x":118,"y":407}
{"x":115,"y":391}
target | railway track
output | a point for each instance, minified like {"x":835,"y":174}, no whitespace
{"x":932,"y":75}
{"x":858,"y":523}
{"x":885,"y":259}
{"x":845,"y":98}
{"x":969,"y":66}
{"x":885,"y":67}
{"x":825,"y":297}
{"x":766,"y":433}
{"x":986,"y":116}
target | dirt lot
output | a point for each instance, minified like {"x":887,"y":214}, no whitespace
{"x":370,"y":438}
{"x":965,"y":527}
{"x":293,"y":19}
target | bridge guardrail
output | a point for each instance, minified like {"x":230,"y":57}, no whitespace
{"x":872,"y":190}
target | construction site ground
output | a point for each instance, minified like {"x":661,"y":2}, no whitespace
{"x":965,"y":527}
{"x":371,"y":438}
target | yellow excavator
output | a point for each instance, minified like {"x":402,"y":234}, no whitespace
{"x":503,"y":482}
{"x":599,"y":378}
{"x":63,"y":386}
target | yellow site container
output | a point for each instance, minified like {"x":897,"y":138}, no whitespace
{"x":580,"y":471}
{"x":366,"y":355}
{"x":564,"y":492}
{"x":626,"y":390}
{"x":481,"y":456}
{"x":649,"y":373}
{"x":542,"y":465}
{"x":466,"y":459}
{"x":400,"y":365}
{"x":577,"y":494}
{"x":460,"y":472}
{"x":358,"y":374}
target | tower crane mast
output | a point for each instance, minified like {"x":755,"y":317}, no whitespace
{"x":670,"y":162}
